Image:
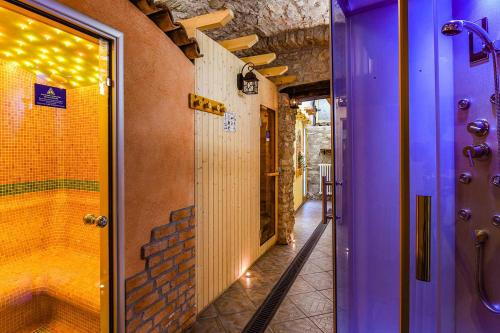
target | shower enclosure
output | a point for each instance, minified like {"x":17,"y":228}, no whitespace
{"x":55,"y":174}
{"x":417,"y":165}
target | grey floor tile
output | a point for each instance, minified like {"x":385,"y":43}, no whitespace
{"x":233,"y":302}
{"x":209,"y":325}
{"x":300,"y":286}
{"x":208,"y":312}
{"x":328,"y":293}
{"x":287,"y":312}
{"x":313,"y":303}
{"x":309,"y":268}
{"x":319,"y":281}
{"x":296,"y":326}
{"x":324,"y":322}
{"x":235,"y":323}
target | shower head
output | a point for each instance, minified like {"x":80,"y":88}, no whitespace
{"x":455,"y":27}
{"x":452,"y":28}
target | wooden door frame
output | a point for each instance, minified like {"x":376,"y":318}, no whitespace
{"x":276,"y":178}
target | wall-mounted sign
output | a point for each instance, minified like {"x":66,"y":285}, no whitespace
{"x":229,"y":122}
{"x":50,"y":96}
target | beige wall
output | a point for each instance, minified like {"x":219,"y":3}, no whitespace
{"x":159,"y":127}
{"x":227,"y":173}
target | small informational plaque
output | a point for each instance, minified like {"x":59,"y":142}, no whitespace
{"x":50,"y":96}
{"x":229,"y":122}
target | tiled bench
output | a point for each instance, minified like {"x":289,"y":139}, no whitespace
{"x":63,"y":274}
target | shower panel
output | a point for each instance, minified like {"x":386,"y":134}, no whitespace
{"x":477,"y":163}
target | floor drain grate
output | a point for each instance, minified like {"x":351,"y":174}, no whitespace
{"x":266,"y":311}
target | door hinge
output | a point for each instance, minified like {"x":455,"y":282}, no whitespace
{"x":109,"y":82}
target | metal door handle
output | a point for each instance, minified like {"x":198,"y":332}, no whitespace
{"x":423,"y":241}
{"x":99,"y":221}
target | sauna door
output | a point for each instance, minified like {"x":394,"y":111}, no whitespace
{"x":54,"y":172}
{"x":268,"y":174}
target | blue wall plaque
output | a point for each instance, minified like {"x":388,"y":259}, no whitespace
{"x":50,"y":96}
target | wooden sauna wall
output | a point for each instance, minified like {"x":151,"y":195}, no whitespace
{"x":227,"y":174}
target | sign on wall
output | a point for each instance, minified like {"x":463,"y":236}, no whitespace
{"x":50,"y":96}
{"x":229,"y":122}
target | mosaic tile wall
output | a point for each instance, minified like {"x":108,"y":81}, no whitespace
{"x":49,"y":179}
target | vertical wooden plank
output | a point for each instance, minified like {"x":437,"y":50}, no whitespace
{"x":227,"y":174}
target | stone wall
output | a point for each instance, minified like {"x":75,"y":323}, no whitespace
{"x":309,"y":64}
{"x":318,"y":137}
{"x":286,"y":212}
{"x":161,"y":298}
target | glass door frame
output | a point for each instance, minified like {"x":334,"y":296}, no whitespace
{"x":404,"y":159}
{"x":78,"y":21}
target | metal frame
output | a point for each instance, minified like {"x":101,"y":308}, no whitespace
{"x":404,"y":160}
{"x":116,"y":38}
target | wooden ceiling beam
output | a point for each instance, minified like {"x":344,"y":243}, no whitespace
{"x":240,"y":43}
{"x":261,"y":59}
{"x":273,"y":71}
{"x":281,"y":81}
{"x":208,"y":21}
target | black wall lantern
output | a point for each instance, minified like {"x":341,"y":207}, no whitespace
{"x":294,"y":103}
{"x":248,"y":83}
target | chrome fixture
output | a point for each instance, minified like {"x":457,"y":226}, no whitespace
{"x":423,"y":238}
{"x":480,"y":242}
{"x":476,"y":152}
{"x":495,"y":180}
{"x":455,"y":27}
{"x":495,"y":220}
{"x":100,"y":221}
{"x":464,"y":104}
{"x":479,"y":127}
{"x":464,"y":214}
{"x":465,"y":178}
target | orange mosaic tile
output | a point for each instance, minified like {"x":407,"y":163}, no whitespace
{"x":49,"y":179}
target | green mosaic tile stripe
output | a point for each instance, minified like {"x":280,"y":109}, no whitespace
{"x":49,"y":185}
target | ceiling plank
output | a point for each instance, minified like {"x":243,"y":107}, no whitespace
{"x":273,"y":71}
{"x":281,"y":81}
{"x":261,"y":59}
{"x":240,"y":43}
{"x":208,"y":21}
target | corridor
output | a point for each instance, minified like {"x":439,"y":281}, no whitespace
{"x":308,"y":304}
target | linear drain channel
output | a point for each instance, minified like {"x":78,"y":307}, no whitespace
{"x":266,"y":311}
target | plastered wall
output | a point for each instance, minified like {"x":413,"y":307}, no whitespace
{"x":159,"y":127}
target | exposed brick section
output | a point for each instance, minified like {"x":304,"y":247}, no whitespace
{"x":161,"y":298}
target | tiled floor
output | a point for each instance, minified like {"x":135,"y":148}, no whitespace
{"x":307,"y":307}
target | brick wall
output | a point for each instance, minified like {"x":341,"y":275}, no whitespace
{"x":161,"y":298}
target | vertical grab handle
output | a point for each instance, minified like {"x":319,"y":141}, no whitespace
{"x":423,"y":238}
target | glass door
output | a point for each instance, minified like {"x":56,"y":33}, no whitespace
{"x":54,"y":176}
{"x":453,"y":130}
{"x":268,"y":174}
